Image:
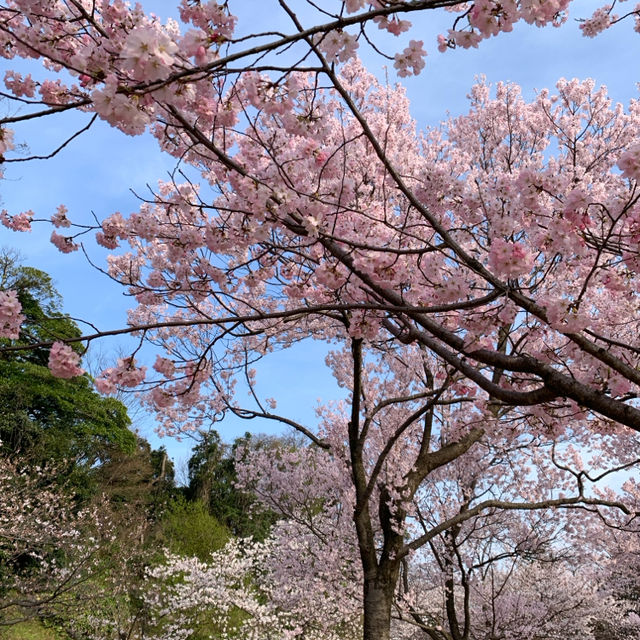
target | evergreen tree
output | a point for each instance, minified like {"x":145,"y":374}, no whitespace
{"x":44,"y":419}
{"x":212,"y":481}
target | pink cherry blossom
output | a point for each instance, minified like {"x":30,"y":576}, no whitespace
{"x":629,"y":162}
{"x":339,"y":46}
{"x":128,"y":113}
{"x":19,"y":85}
{"x":354,"y":5}
{"x":598,"y":22}
{"x":165,"y":366}
{"x":6,"y":140}
{"x":64,"y":244}
{"x":10,"y":317}
{"x":64,"y":362}
{"x":394,"y":26}
{"x":510,"y":259}
{"x":53,"y":92}
{"x":126,"y":374}
{"x":411,"y":60}
{"x":19,"y":222}
{"x":59,"y":219}
{"x":149,"y":52}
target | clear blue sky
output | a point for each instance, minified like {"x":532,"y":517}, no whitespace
{"x":96,"y":173}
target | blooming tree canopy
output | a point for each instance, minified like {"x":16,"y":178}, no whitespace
{"x":466,"y":272}
{"x":327,"y":202}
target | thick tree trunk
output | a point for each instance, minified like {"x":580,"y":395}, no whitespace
{"x":378,"y":598}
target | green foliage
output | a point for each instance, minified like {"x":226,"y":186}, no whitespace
{"x":47,"y":417}
{"x":42,"y":308}
{"x":141,"y":478}
{"x":188,"y":529}
{"x":212,"y":481}
{"x":31,"y":630}
{"x":44,"y":419}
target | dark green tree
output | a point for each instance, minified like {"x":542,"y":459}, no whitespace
{"x":44,"y":419}
{"x":212,"y":481}
{"x":143,"y":477}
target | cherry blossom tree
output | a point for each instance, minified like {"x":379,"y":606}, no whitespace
{"x":48,"y":547}
{"x":467,"y":272}
{"x":618,"y":579}
{"x":437,"y":511}
{"x":510,"y":574}
{"x":225,"y":595}
{"x":532,"y":600}
{"x":274,"y":151}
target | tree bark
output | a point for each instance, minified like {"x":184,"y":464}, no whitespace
{"x":378,"y":599}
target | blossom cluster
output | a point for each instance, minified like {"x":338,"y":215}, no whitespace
{"x":629,"y":162}
{"x":18,"y":222}
{"x":65,"y":244}
{"x":338,"y":46}
{"x":599,"y":21}
{"x":64,"y":362}
{"x":510,"y":259}
{"x":125,"y":374}
{"x":149,"y":53}
{"x":487,"y":18}
{"x":6,"y":140}
{"x":59,"y":218}
{"x":411,"y":60}
{"x":10,"y":317}
{"x":230,"y":580}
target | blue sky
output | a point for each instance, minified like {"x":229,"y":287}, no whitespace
{"x":96,"y":173}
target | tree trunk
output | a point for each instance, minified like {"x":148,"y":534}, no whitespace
{"x":378,"y":598}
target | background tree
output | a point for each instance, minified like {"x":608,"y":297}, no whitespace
{"x":49,"y":547}
{"x":527,"y":601}
{"x":619,"y":583}
{"x":79,"y":489}
{"x":44,"y":418}
{"x":142,"y":477}
{"x":213,"y":481}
